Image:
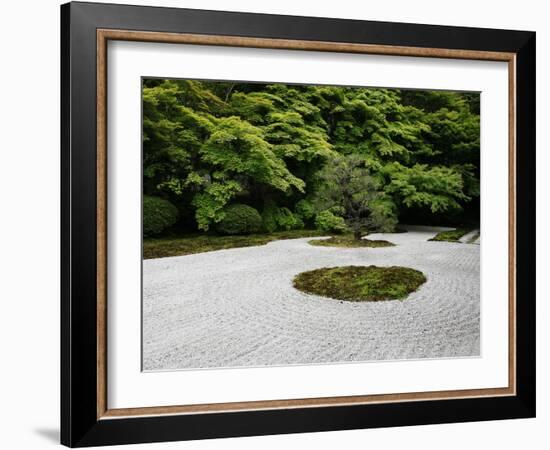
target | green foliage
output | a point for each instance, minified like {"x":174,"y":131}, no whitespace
{"x":269,"y":215}
{"x":211,"y":201}
{"x":305,"y":209}
{"x":357,"y":283}
{"x":240,"y":219}
{"x":209,"y":144}
{"x":275,"y":218}
{"x":348,"y":185}
{"x":238,"y":149}
{"x":287,"y":220}
{"x":158,"y":215}
{"x":327,"y":221}
{"x":438,"y":188}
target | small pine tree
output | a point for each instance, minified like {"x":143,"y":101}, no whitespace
{"x":348,"y":185}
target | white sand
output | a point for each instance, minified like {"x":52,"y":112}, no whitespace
{"x":237,"y":307}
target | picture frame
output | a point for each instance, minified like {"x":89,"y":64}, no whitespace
{"x":86,"y":418}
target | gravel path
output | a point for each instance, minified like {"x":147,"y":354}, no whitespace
{"x":469,"y":236}
{"x":237,"y":307}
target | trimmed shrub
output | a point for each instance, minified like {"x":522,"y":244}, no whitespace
{"x":240,"y":219}
{"x":287,"y":220}
{"x":269,"y":217}
{"x":305,"y":210}
{"x":275,"y":218}
{"x":327,"y":221}
{"x":158,"y":215}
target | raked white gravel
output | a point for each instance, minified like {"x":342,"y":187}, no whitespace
{"x":237,"y":307}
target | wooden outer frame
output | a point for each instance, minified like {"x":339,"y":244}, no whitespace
{"x":103,"y":36}
{"x":97,"y":428}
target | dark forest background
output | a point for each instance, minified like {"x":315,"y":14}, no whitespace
{"x":208,"y":146}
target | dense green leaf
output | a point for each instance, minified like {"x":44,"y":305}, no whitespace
{"x":278,"y":148}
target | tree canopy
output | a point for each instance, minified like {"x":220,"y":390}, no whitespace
{"x":208,"y":145}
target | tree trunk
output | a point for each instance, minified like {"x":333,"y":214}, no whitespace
{"x":228,"y":93}
{"x":357,"y":234}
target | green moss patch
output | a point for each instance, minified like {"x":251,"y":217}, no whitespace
{"x":450,"y":236}
{"x":200,"y":243}
{"x":349,"y":241}
{"x":360,"y":283}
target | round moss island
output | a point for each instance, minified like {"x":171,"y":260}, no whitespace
{"x":360,"y":283}
{"x":349,"y":242}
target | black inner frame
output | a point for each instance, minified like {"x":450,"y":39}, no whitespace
{"x":79,"y":423}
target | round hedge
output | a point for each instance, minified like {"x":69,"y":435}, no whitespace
{"x":158,"y":214}
{"x":360,"y":283}
{"x":240,"y":219}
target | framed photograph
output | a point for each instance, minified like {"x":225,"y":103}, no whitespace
{"x":277,"y":224}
